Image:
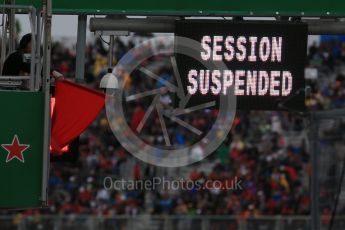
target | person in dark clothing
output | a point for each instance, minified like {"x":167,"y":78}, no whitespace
{"x":18,"y":63}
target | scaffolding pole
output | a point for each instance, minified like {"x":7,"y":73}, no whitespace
{"x":47,"y":11}
{"x":314,"y":193}
{"x":167,"y":25}
{"x":81,"y":43}
{"x":12,"y":28}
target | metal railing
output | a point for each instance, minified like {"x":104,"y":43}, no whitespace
{"x":35,"y":44}
{"x":147,"y":222}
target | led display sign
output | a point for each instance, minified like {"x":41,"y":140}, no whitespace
{"x":264,"y":63}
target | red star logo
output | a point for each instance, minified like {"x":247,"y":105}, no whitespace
{"x":15,"y":150}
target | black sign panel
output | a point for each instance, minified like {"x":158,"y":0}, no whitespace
{"x":264,"y":62}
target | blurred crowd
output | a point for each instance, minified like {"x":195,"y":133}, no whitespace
{"x":327,"y":87}
{"x":267,"y":151}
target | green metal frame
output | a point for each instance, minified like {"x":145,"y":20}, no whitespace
{"x":38,"y":100}
{"x":322,"y":8}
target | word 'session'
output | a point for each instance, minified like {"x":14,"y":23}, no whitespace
{"x":230,"y":49}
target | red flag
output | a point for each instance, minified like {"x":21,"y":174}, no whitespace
{"x":52,"y":107}
{"x":76,"y":107}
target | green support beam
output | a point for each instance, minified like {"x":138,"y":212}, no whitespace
{"x":322,"y":8}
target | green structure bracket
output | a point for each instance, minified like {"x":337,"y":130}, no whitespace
{"x":319,"y":8}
